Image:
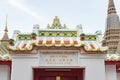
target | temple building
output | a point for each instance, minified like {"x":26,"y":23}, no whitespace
{"x":59,"y":53}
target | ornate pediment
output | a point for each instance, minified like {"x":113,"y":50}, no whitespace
{"x":56,"y":24}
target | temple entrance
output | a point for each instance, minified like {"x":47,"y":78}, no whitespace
{"x":58,"y":74}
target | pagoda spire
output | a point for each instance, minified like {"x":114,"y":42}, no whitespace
{"x":6,"y":29}
{"x":112,"y":32}
{"x":5,"y":36}
{"x":111,"y":7}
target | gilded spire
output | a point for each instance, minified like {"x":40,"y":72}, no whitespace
{"x":6,"y":30}
{"x":111,"y":7}
{"x":5,"y":36}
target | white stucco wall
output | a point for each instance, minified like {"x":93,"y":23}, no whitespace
{"x":94,"y":67}
{"x":22,"y":66}
{"x":4,"y":72}
{"x":118,"y":76}
{"x":111,"y":72}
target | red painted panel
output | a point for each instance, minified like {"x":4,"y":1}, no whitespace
{"x":112,"y":62}
{"x":117,"y":63}
{"x":9,"y":63}
{"x":118,"y":71}
{"x":68,"y":74}
{"x":69,"y":78}
{"x":47,"y":78}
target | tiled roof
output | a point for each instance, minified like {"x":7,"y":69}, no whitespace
{"x":4,"y":56}
{"x":112,"y":57}
{"x":56,"y":35}
{"x":89,"y":45}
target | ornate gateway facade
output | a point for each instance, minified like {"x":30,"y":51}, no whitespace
{"x":57,"y":53}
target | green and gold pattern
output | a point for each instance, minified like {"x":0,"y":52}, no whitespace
{"x":24,"y":37}
{"x":57,"y":33}
{"x":92,"y":37}
{"x":88,"y":37}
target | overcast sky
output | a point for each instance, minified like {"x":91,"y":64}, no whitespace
{"x":23,"y":14}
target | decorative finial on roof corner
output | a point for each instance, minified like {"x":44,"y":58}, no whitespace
{"x":64,"y":26}
{"x":111,"y":7}
{"x":48,"y":26}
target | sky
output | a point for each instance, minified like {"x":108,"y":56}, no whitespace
{"x":23,"y":14}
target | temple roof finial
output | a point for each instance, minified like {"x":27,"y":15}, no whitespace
{"x":111,"y":7}
{"x":56,"y":24}
{"x":56,"y":20}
